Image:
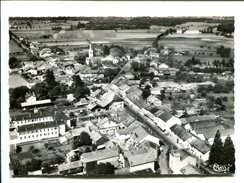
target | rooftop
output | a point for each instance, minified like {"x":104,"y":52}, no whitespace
{"x":200,"y":145}
{"x":38,"y":102}
{"x":142,"y":158}
{"x":181,"y":132}
{"x":36,"y":126}
{"x":69,"y":166}
{"x":29,"y":115}
{"x":165,"y":116}
{"x":100,"y":155}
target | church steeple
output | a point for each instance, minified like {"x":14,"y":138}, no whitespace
{"x":90,"y":50}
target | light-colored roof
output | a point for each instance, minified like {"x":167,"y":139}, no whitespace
{"x":100,"y":155}
{"x":106,"y":99}
{"x":38,"y":102}
{"x":143,"y":158}
{"x":139,"y":133}
{"x":69,"y":166}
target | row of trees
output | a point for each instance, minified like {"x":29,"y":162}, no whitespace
{"x":222,"y":154}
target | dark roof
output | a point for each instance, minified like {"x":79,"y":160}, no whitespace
{"x":36,"y":126}
{"x":165,"y":116}
{"x":154,"y":110}
{"x":58,"y":115}
{"x":200,"y":145}
{"x":31,"y":116}
{"x":181,"y":132}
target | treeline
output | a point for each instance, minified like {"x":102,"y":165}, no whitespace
{"x":101,"y":23}
{"x":226,"y":27}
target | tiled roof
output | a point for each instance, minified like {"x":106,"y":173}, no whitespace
{"x":36,"y":126}
{"x":200,"y":145}
{"x":143,"y":158}
{"x":154,"y":110}
{"x":27,"y":116}
{"x":69,"y":166}
{"x":100,"y":155}
{"x":181,"y":132}
{"x":165,"y":116}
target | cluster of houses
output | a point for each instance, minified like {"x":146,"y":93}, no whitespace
{"x":120,"y":122}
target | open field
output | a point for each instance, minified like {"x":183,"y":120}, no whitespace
{"x":126,"y":37}
{"x":14,"y":48}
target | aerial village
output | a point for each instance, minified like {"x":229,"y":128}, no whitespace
{"x":109,"y":110}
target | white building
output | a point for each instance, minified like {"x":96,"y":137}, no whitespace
{"x":179,"y":159}
{"x":38,"y":131}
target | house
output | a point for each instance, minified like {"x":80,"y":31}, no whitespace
{"x":98,"y":138}
{"x":182,"y":136}
{"x":83,"y":102}
{"x":169,"y":119}
{"x":90,"y":61}
{"x":70,"y":168}
{"x":180,"y":160}
{"x":38,"y":131}
{"x":40,"y":125}
{"x":107,"y":126}
{"x":200,"y":149}
{"x":30,"y":118}
{"x":109,"y":101}
{"x":140,"y":159}
{"x":32,"y":102}
{"x":101,"y":156}
{"x":154,"y":100}
{"x":140,"y":134}
{"x":125,"y":117}
{"x":86,"y":73}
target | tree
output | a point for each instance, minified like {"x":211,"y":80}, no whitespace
{"x":105,"y":49}
{"x":83,"y":139}
{"x":162,"y":94}
{"x":50,"y":79}
{"x":59,"y":90}
{"x":34,"y":165}
{"x":216,"y":150}
{"x":13,"y":62}
{"x":218,"y":88}
{"x":117,"y":51}
{"x":228,"y":154}
{"x":77,"y":82}
{"x":80,"y":57}
{"x":146,"y":92}
{"x":41,"y":90}
{"x":218,"y":101}
{"x":17,"y":96}
{"x":105,"y":169}
{"x":81,"y":92}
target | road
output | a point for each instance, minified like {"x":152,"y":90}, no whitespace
{"x":126,"y":68}
{"x":154,"y":127}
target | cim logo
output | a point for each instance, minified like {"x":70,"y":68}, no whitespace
{"x":221,"y":168}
